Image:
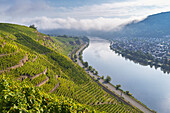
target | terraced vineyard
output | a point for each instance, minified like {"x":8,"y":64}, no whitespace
{"x":92,"y":94}
{"x":114,"y":108}
{"x":27,"y":56}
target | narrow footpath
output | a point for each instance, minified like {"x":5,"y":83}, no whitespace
{"x":112,"y":88}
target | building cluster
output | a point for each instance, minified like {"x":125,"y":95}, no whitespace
{"x":159,"y":48}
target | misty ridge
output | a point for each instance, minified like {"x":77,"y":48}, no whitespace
{"x":156,"y":25}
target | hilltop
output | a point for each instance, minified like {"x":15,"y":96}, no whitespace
{"x":156,"y":25}
{"x":38,"y":76}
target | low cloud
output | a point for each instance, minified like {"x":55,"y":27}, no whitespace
{"x":101,"y":24}
{"x":101,"y":17}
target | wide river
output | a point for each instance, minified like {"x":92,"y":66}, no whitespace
{"x":150,"y":86}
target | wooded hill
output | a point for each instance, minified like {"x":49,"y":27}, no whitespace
{"x":37,"y":76}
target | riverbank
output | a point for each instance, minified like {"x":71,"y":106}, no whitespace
{"x":142,"y":57}
{"x":111,"y":88}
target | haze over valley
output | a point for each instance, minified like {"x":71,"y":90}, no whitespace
{"x":91,"y":56}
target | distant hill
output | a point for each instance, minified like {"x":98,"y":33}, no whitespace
{"x":157,"y":25}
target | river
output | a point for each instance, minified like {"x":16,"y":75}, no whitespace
{"x":149,"y":85}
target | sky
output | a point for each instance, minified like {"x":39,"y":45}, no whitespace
{"x":102,"y":15}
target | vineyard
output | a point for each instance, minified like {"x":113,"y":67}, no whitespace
{"x":51,"y":82}
{"x":114,"y":108}
{"x":23,"y":98}
{"x":92,"y":94}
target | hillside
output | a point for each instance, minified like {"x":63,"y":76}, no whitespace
{"x":156,"y":25}
{"x":36,"y":75}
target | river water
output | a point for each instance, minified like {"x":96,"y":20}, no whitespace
{"x":150,"y":86}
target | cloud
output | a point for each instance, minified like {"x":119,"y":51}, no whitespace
{"x":101,"y":24}
{"x":104,"y":16}
{"x":120,"y":9}
{"x":26,"y":8}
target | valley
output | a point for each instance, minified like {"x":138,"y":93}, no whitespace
{"x":48,"y":80}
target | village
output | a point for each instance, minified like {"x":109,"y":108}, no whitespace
{"x":159,"y":48}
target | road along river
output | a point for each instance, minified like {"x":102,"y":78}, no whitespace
{"x":148,"y":85}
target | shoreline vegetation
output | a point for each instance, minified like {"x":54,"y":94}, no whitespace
{"x":141,"y":58}
{"x":77,"y":55}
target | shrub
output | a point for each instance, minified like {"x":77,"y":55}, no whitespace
{"x":108,"y":79}
{"x":118,"y":86}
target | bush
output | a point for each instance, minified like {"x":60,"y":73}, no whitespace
{"x":86,"y":64}
{"x":127,"y":93}
{"x":108,"y":79}
{"x":118,"y":86}
{"x":90,"y":68}
{"x":96,"y":72}
{"x":33,"y":26}
{"x":102,"y":77}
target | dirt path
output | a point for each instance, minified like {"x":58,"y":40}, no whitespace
{"x":31,"y":78}
{"x":9,"y":53}
{"x":55,"y":87}
{"x":109,"y":88}
{"x":43,"y":82}
{"x":37,"y":75}
{"x":58,"y":84}
{"x":34,"y":59}
{"x":21,"y":63}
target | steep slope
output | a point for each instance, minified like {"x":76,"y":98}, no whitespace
{"x":37,"y":63}
{"x":23,"y":98}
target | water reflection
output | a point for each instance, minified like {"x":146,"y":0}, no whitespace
{"x":148,"y":85}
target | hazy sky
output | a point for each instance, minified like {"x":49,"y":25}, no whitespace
{"x":79,"y":14}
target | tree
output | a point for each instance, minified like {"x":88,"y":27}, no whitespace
{"x":96,"y":73}
{"x":102,"y":77}
{"x":90,"y":68}
{"x":75,"y":56}
{"x":80,"y":57}
{"x":33,"y":26}
{"x":127,"y":93}
{"x":118,"y":86}
{"x":86,"y":64}
{"x":93,"y":70}
{"x":108,"y":79}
